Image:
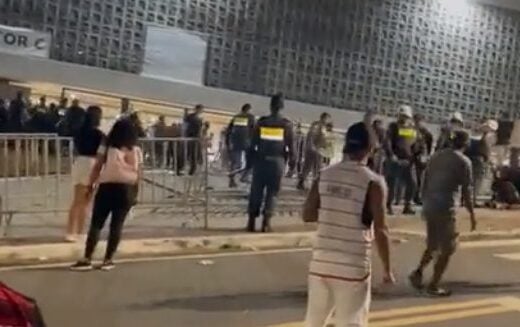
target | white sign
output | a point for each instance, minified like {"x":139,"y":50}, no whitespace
{"x":24,"y":41}
{"x":175,"y":55}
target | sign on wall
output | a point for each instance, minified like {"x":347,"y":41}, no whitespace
{"x":174,"y":54}
{"x":24,"y":41}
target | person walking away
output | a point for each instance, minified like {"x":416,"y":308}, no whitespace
{"x":447,"y":171}
{"x":422,"y":152}
{"x":194,"y":124}
{"x":117,"y":172}
{"x":348,"y":202}
{"x":272,"y":143}
{"x":86,"y":145}
{"x":238,"y":140}
{"x":299,"y":145}
{"x":401,"y":138}
{"x":455,"y":123}
{"x":314,"y":146}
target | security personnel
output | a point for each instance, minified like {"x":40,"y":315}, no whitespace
{"x":315,"y":145}
{"x":401,"y":138}
{"x":272,"y":142}
{"x":238,"y":141}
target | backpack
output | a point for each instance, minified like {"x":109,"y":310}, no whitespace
{"x":17,"y":310}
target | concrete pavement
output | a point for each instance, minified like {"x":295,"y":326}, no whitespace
{"x":267,"y":289}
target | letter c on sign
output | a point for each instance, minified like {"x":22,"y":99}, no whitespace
{"x":40,"y":44}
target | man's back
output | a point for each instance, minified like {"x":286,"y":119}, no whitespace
{"x":446,"y":172}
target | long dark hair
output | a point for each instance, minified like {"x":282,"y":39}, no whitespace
{"x":122,"y":135}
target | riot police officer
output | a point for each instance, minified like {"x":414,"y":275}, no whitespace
{"x":401,"y":138}
{"x":272,"y":143}
{"x":238,"y":141}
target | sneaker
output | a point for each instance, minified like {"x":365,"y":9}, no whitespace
{"x":70,"y":238}
{"x":408,"y":211}
{"x":107,"y":265}
{"x":436,"y":291}
{"x":416,"y":279}
{"x":82,"y":265}
{"x":300,"y":186}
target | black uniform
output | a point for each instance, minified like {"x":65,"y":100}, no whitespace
{"x":272,"y":143}
{"x":238,"y":140}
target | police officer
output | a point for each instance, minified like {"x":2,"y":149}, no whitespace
{"x":272,"y":142}
{"x":238,"y":141}
{"x":401,"y":138}
{"x":315,"y":145}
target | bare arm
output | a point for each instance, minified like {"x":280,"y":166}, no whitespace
{"x":377,"y":198}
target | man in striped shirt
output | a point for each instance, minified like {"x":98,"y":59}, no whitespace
{"x":349,"y":205}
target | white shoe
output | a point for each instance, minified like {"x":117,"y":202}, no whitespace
{"x":71,"y":238}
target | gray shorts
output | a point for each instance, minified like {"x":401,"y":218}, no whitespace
{"x":441,"y":233}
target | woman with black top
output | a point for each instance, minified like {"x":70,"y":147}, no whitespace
{"x":86,"y":144}
{"x":117,"y":173}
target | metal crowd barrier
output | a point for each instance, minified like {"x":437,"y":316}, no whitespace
{"x":35,"y":176}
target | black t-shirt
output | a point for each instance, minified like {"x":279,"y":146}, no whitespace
{"x":193,"y":125}
{"x":87,"y":142}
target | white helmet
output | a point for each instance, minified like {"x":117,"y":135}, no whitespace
{"x":405,"y":110}
{"x":491,"y":124}
{"x":457,"y":116}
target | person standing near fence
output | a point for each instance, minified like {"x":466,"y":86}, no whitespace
{"x":272,"y":143}
{"x":194,"y":126}
{"x":238,"y":140}
{"x":86,"y":144}
{"x":314,"y":147}
{"x":117,"y":172}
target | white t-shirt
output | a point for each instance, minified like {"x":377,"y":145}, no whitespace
{"x":121,"y":165}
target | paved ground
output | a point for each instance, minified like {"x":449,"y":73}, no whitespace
{"x":267,"y":289}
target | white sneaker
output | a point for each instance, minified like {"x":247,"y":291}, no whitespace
{"x":71,"y":238}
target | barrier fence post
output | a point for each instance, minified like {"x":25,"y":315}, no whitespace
{"x":206,"y":187}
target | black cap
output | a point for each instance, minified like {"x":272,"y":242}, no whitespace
{"x":357,"y":139}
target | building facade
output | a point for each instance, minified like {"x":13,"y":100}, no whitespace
{"x":352,"y":54}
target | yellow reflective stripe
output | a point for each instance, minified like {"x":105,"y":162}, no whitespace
{"x":408,"y":133}
{"x":240,"y":122}
{"x":271,"y":133}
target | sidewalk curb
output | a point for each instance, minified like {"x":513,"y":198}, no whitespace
{"x":464,"y":236}
{"x":20,"y":254}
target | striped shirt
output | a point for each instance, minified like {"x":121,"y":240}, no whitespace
{"x":342,"y":248}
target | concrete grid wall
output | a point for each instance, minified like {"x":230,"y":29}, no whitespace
{"x":352,"y":54}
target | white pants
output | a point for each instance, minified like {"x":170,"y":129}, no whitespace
{"x":349,"y":300}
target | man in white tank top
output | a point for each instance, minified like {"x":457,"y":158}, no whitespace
{"x":348,"y":202}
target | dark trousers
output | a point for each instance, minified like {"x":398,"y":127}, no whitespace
{"x":111,"y":199}
{"x":419,"y":172}
{"x":194,"y":156}
{"x":400,"y":173}
{"x":176,"y":156}
{"x":237,"y":162}
{"x":312,"y":162}
{"x":267,"y":179}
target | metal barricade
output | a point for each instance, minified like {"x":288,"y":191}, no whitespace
{"x":36,"y":169}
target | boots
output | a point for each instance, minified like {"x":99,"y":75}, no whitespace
{"x":251,"y":222}
{"x":266,"y":225}
{"x":232,"y":183}
{"x":301,"y":185}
